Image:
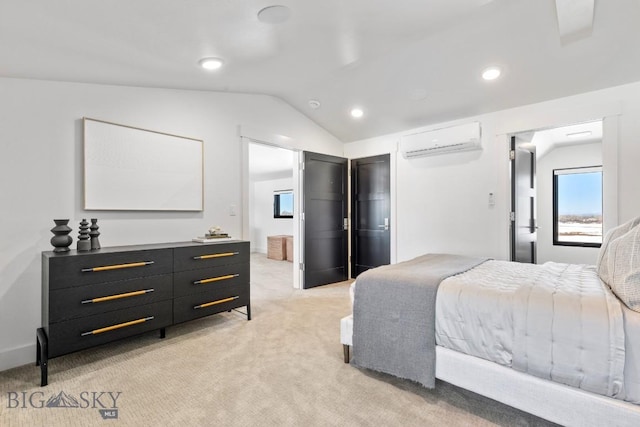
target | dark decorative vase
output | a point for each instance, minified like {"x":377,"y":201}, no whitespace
{"x":61,"y":241}
{"x":94,"y":233}
{"x":83,"y":237}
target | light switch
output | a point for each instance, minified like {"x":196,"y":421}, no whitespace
{"x":232,"y":210}
{"x":492,"y":199}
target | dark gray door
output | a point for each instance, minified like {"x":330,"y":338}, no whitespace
{"x":370,"y":213}
{"x":325,"y":214}
{"x":523,"y":201}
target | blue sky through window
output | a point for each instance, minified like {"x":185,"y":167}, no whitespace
{"x":580,"y":194}
{"x":286,"y":203}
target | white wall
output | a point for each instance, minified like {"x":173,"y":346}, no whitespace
{"x":572,"y":156}
{"x":263,"y":223}
{"x":41,"y":175}
{"x":442,"y":202}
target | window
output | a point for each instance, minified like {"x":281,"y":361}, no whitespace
{"x":577,"y":207}
{"x":283,"y":204}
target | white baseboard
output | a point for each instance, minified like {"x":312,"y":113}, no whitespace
{"x":14,"y":357}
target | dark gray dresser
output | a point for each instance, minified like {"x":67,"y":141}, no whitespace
{"x":91,"y":298}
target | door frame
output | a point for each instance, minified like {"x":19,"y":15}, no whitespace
{"x":513,"y":162}
{"x":554,"y":119}
{"x":277,"y":141}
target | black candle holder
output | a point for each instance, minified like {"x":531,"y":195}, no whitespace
{"x":94,"y":233}
{"x":61,"y":239}
{"x":83,"y":237}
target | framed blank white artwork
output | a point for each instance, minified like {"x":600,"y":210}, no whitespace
{"x":128,"y":168}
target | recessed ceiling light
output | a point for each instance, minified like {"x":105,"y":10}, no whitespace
{"x":579,"y":134}
{"x":356,"y":113}
{"x":276,"y":14}
{"x":491,"y":73}
{"x":314,"y":104}
{"x":211,"y":63}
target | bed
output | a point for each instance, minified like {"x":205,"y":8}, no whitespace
{"x":560,"y":341}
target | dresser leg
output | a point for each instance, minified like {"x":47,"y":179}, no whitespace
{"x":162,"y":333}
{"x":248,"y":311}
{"x":43,"y":355}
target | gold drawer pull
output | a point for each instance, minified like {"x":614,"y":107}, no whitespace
{"x":116,"y":266}
{"x":215,"y":279}
{"x":118,"y":296}
{"x":224,"y":254}
{"x":209,"y":304}
{"x":118,"y":326}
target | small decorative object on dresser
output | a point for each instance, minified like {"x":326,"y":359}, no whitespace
{"x":94,"y":233}
{"x":61,"y":239}
{"x":214,"y":234}
{"x":95,"y":297}
{"x":83,"y":237}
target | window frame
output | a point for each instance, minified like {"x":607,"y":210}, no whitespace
{"x":276,"y":204}
{"x":556,"y":242}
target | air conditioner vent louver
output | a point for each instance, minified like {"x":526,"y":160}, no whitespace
{"x":446,"y":140}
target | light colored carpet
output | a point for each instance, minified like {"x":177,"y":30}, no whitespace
{"x":283,"y":368}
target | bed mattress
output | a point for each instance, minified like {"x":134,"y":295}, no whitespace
{"x":509,"y":313}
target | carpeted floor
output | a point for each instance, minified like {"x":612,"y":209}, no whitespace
{"x":283,"y":368}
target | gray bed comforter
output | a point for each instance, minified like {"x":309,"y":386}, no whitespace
{"x":394,"y":315}
{"x":555,"y":321}
{"x":569,"y":329}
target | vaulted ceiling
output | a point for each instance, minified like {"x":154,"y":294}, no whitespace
{"x":406,"y":63}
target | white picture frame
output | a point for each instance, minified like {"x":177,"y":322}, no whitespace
{"x":133,"y":169}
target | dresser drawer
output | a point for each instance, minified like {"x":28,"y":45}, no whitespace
{"x":88,"y":300}
{"x":205,"y":279}
{"x":78,"y":270}
{"x":210,"y":255}
{"x":215,"y":301}
{"x":78,"y":334}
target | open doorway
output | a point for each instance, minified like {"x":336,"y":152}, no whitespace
{"x":557,"y":211}
{"x":310,"y":185}
{"x":271,"y":196}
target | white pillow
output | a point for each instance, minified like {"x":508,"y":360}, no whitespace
{"x":623,"y":265}
{"x":614,"y":233}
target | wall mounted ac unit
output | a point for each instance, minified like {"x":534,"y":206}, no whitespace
{"x":439,"y":141}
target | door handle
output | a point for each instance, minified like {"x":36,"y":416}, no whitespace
{"x":345,"y":224}
{"x":385,"y":225}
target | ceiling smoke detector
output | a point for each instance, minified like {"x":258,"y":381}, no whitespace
{"x":314,"y":104}
{"x":276,"y":14}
